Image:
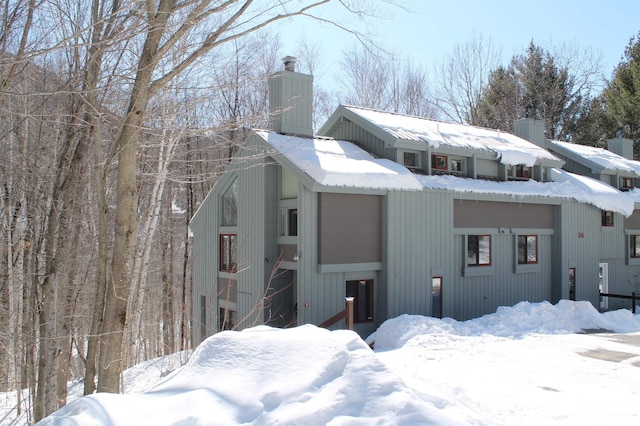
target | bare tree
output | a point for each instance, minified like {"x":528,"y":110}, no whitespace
{"x":463,"y":76}
{"x":386,"y":82}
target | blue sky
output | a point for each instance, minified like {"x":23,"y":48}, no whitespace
{"x":429,"y":30}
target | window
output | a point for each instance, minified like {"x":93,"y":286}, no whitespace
{"x":228,"y":252}
{"x":411,"y":160}
{"x":527,"y":249}
{"x":226,"y":319}
{"x":439,"y":162}
{"x":607,"y":218}
{"x":457,"y":165}
{"x":230,"y":206}
{"x":293,"y":222}
{"x":362,"y":292}
{"x":634,"y":246}
{"x":521,"y":171}
{"x":479,"y":250}
{"x":626,"y":184}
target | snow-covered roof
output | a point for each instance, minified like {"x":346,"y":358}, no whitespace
{"x":342,"y":164}
{"x":564,"y":185}
{"x":337,"y":163}
{"x":602,"y":159}
{"x":510,"y":149}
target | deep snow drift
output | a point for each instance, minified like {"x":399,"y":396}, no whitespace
{"x":522,"y":365}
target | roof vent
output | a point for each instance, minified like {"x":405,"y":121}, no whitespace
{"x":289,"y":63}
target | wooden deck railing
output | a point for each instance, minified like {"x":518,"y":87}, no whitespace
{"x":346,"y":314}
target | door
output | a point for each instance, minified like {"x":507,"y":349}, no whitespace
{"x":436,"y":297}
{"x":572,"y":283}
{"x":603,"y":275}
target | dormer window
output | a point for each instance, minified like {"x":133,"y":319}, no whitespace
{"x":439,"y":162}
{"x":626,"y":184}
{"x":411,"y":160}
{"x":457,"y":165}
{"x":521,"y":172}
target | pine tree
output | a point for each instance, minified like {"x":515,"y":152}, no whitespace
{"x":622,"y":95}
{"x":532,"y":86}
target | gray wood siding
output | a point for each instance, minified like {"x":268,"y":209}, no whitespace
{"x":321,"y":295}
{"x":349,"y":228}
{"x":419,"y":239}
{"x":580,"y":233}
{"x":251,"y":241}
{"x":291,"y":103}
{"x":205,"y":261}
{"x":351,"y":132}
{"x":488,"y":214}
{"x":487,"y":167}
{"x":479,"y":295}
{"x":575,"y":167}
{"x":612,"y":241}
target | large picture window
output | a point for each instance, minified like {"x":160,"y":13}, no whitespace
{"x":230,"y":205}
{"x":362,"y":292}
{"x":527,"y":249}
{"x":479,"y":250}
{"x":228,"y":252}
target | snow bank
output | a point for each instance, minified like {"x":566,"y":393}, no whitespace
{"x":512,"y":322}
{"x":304,"y":375}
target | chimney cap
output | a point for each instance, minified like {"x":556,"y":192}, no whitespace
{"x":289,"y":63}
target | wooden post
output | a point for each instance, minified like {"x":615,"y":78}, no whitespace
{"x":349,"y":309}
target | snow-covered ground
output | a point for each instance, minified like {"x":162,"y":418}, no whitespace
{"x":527,"y":364}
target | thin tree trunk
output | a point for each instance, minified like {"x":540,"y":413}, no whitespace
{"x":168,"y":321}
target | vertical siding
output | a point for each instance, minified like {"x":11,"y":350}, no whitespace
{"x":291,"y":103}
{"x":321,"y":295}
{"x":486,"y":167}
{"x":351,"y":132}
{"x":252,"y":204}
{"x":480,"y":295}
{"x":205,"y":260}
{"x":580,"y":234}
{"x":419,"y":227}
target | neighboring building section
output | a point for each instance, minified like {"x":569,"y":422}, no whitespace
{"x":618,"y":247}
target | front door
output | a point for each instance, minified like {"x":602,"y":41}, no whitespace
{"x":603,"y":274}
{"x":572,"y":283}
{"x":436,"y":297}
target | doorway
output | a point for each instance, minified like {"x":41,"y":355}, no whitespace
{"x":572,"y":283}
{"x":603,"y":275}
{"x":436,"y":297}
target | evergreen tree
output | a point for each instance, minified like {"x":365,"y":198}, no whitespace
{"x":622,"y":95}
{"x":532,"y":86}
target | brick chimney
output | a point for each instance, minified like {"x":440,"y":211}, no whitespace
{"x":291,"y":100}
